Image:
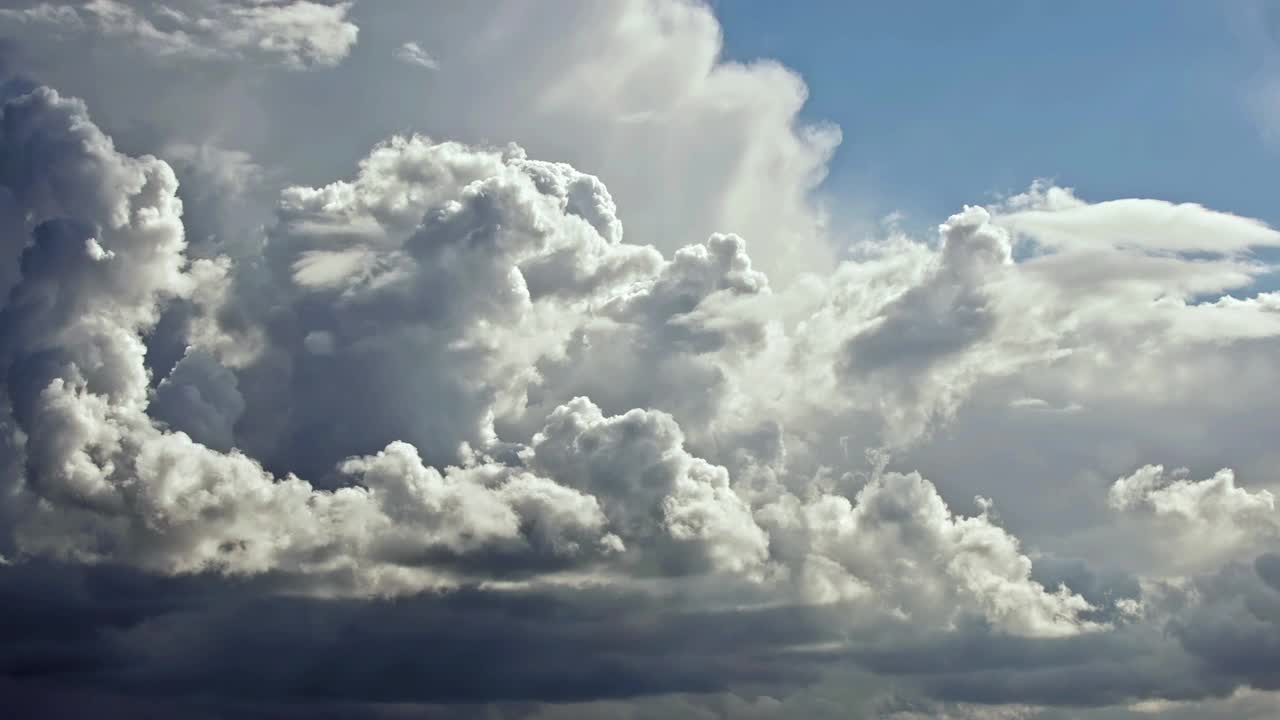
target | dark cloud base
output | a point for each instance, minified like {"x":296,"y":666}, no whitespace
{"x":130,"y":644}
{"x":115,"y":632}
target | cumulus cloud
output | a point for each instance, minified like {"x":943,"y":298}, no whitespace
{"x":118,"y":473}
{"x":1213,"y":500}
{"x":855,"y":548}
{"x":450,"y":396}
{"x":690,"y":143}
{"x":1204,"y":521}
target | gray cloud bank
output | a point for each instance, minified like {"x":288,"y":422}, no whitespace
{"x":439,"y":438}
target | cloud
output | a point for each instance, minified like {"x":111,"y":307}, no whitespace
{"x":44,"y":13}
{"x":298,"y":34}
{"x":1216,"y":499}
{"x":411,"y":53}
{"x":447,"y":406}
{"x":1205,"y":522}
{"x":616,"y":495}
{"x":1057,"y":219}
{"x":689,"y":143}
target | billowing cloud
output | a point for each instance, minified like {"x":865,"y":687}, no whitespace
{"x":117,"y":473}
{"x":690,"y":143}
{"x":1204,"y":522}
{"x":274,"y":435}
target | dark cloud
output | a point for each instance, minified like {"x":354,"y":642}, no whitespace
{"x":120,"y":631}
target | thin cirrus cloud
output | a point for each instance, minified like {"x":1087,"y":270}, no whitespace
{"x":284,"y":443}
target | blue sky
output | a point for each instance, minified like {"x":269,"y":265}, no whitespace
{"x":1114,"y":99}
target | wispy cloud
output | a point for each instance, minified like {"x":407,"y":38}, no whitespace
{"x":412,"y":53}
{"x":298,"y":34}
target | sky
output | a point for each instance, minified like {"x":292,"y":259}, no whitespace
{"x":643,"y":359}
{"x":1109,"y":98}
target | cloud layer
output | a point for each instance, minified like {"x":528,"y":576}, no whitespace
{"x":297,"y":33}
{"x":442,"y":405}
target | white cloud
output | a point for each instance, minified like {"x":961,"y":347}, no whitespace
{"x":411,"y":53}
{"x":617,"y":495}
{"x":1202,"y":523}
{"x":452,"y":367}
{"x":1056,"y":219}
{"x":297,"y":33}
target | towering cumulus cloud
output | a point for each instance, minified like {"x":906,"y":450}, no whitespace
{"x":441,"y":433}
{"x":423,"y":296}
